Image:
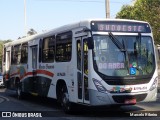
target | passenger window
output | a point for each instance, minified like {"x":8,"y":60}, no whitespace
{"x":64,"y":47}
{"x":16,"y":54}
{"x":48,"y":49}
{"x":24,"y":53}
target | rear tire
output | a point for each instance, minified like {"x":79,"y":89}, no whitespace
{"x":19,"y":91}
{"x":65,"y":103}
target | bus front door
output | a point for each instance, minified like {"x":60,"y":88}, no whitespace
{"x":82,"y":70}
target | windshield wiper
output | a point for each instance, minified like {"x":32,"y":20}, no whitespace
{"x":121,"y":47}
{"x":139,"y":42}
{"x":116,"y":42}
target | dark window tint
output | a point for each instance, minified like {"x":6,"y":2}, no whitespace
{"x":78,"y":55}
{"x":16,"y":54}
{"x":4,"y":55}
{"x":63,"y":47}
{"x":48,"y":49}
{"x":24,"y":53}
{"x":85,"y":56}
{"x":40,"y":50}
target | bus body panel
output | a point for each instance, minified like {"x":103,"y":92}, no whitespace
{"x":41,"y":78}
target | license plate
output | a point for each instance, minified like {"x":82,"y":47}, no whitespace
{"x":130,"y":101}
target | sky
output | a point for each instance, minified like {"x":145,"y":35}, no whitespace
{"x":43,"y":15}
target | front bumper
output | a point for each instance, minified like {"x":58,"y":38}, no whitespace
{"x":100,"y":99}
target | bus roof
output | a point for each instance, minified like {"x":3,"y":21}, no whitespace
{"x":85,"y":23}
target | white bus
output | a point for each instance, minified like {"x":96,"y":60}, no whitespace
{"x":94,"y":62}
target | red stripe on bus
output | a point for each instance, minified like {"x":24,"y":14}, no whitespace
{"x":45,"y":72}
{"x":14,"y":74}
{"x":28,"y":73}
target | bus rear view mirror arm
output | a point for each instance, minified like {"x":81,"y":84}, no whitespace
{"x":90,"y":42}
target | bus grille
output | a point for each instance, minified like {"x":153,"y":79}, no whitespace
{"x":122,"y":98}
{"x":127,"y":82}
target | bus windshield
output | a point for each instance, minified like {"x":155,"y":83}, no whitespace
{"x":123,"y":55}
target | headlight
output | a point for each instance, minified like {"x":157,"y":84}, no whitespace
{"x":154,"y":85}
{"x":99,"y":85}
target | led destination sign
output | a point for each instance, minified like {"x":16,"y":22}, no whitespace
{"x":123,"y":28}
{"x":120,"y":27}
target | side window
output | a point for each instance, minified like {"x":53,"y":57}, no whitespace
{"x":40,"y":50}
{"x":12,"y":55}
{"x":4,"y":55}
{"x":48,"y":49}
{"x":24,"y":53}
{"x":64,"y":47}
{"x":16,"y":54}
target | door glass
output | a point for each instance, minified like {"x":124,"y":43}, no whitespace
{"x":86,"y":92}
{"x":82,"y":67}
{"x":79,"y":77}
{"x":85,"y":56}
{"x":78,"y":55}
{"x":85,"y":53}
{"x":34,"y":57}
{"x":79,"y":73}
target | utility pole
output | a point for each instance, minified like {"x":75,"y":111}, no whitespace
{"x":107,"y":2}
{"x":25,"y":18}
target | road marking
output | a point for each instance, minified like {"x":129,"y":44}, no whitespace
{"x":5,"y":98}
{"x":1,"y":100}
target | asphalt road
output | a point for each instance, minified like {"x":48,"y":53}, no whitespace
{"x":50,"y":110}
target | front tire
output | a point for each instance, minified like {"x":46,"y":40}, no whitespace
{"x":65,"y":103}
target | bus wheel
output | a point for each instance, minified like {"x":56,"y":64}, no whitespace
{"x":66,"y":104}
{"x":19,"y":92}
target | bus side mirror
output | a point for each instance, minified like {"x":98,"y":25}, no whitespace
{"x":90,"y":43}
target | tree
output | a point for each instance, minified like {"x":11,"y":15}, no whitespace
{"x":125,"y":12}
{"x":2,"y":42}
{"x":1,"y":53}
{"x":146,"y":10}
{"x":31,"y":32}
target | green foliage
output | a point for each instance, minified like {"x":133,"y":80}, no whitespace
{"x":2,"y":42}
{"x":31,"y":32}
{"x":146,"y":10}
{"x":125,"y":12}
